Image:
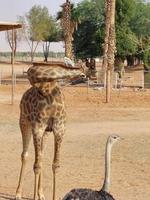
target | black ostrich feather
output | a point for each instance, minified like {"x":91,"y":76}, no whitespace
{"x":88,"y":194}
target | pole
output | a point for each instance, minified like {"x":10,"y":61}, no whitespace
{"x":12,"y":69}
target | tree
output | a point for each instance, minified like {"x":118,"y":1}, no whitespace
{"x":52,"y":34}
{"x":132,"y":29}
{"x":126,"y":40}
{"x":69,"y":22}
{"x":109,"y":45}
{"x":36,"y":25}
{"x":88,"y":38}
{"x":18,"y":35}
{"x":140,"y":20}
{"x":65,"y":20}
{"x":140,"y":23}
{"x":10,"y":41}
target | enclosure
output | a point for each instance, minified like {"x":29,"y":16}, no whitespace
{"x":90,"y":121}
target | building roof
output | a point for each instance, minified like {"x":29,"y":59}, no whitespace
{"x":5,"y":26}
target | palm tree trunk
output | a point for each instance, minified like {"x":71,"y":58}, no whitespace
{"x":109,"y":45}
{"x":67,"y":28}
{"x":68,"y":47}
{"x":107,"y":27}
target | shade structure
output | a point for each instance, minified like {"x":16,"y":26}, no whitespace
{"x":6,"y":26}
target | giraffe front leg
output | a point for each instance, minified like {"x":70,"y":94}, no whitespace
{"x":56,"y":165}
{"x":26,"y":137}
{"x":37,"y":139}
{"x":40,"y":188}
{"x":19,"y":188}
{"x":58,"y":130}
{"x":57,"y":145}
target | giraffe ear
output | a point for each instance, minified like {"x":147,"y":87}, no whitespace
{"x":37,"y":85}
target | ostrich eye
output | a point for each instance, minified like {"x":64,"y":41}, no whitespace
{"x":115,"y":137}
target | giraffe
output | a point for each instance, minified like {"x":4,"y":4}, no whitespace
{"x":42,"y":110}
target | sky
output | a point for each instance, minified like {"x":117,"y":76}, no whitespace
{"x":10,"y":9}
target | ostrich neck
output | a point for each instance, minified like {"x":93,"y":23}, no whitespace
{"x":107,"y":168}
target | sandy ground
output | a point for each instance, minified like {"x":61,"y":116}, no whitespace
{"x":89,"y":123}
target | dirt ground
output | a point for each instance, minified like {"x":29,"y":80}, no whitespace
{"x":90,"y":121}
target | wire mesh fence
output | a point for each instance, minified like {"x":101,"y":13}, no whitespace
{"x":130,"y":80}
{"x":6,"y":77}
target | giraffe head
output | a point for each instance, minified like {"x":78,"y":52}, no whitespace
{"x":44,"y":77}
{"x":46,"y":73}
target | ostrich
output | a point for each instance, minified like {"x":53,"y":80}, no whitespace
{"x":103,"y":194}
{"x":68,"y":62}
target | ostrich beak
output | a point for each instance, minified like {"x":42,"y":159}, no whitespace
{"x":121,"y":138}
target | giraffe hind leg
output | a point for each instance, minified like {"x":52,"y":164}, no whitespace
{"x":26,"y":137}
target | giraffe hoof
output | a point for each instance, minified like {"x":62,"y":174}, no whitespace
{"x":41,"y":197}
{"x":18,"y":197}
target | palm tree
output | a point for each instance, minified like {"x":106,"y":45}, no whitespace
{"x":109,"y":45}
{"x":69,"y":24}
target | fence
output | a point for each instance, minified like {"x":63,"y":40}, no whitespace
{"x":147,"y":79}
{"x":6,"y":77}
{"x":130,"y":79}
{"x":137,"y":79}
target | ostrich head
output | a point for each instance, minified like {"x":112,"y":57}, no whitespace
{"x":113,"y":139}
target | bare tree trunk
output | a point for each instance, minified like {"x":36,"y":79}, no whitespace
{"x":12,"y":43}
{"x":33,"y":49}
{"x":12,"y":60}
{"x":46,"y":46}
